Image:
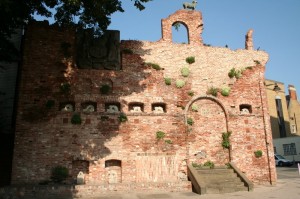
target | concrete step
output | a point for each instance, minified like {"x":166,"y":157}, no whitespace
{"x":221,"y":180}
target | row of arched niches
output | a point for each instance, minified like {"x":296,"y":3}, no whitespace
{"x":112,"y":107}
{"x":133,"y":107}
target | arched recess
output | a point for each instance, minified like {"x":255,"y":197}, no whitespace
{"x":113,"y":171}
{"x":210,"y":120}
{"x":180,"y":33}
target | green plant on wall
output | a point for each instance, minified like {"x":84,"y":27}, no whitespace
{"x":212,"y":91}
{"x":168,"y":141}
{"x":123,"y":117}
{"x":65,"y":87}
{"x":196,"y":165}
{"x":190,"y":60}
{"x":168,"y":81}
{"x":160,"y":135}
{"x":209,"y":164}
{"x":225,"y":91}
{"x":238,"y":74}
{"x":185,"y":72}
{"x":235,"y":73}
{"x":50,"y":103}
{"x":104,"y":89}
{"x":226,"y":140}
{"x":76,"y":118}
{"x":154,"y":66}
{"x":180,"y":83}
{"x":231,"y":73}
{"x":195,"y":108}
{"x":59,"y":174}
{"x":258,"y":153}
{"x":127,"y":51}
{"x":257,"y":62}
{"x":190,"y":121}
{"x":191,"y":93}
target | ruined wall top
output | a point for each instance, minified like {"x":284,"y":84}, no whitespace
{"x":191,"y":19}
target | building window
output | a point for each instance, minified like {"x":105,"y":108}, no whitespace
{"x":275,"y":150}
{"x":281,"y":124}
{"x":293,"y":128}
{"x":289,"y":149}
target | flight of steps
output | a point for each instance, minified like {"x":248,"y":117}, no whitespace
{"x":219,"y":180}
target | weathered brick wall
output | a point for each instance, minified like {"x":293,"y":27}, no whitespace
{"x":131,"y":149}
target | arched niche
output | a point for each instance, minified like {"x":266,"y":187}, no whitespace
{"x":180,"y":33}
{"x":89,"y":107}
{"x":113,"y":169}
{"x":136,"y":107}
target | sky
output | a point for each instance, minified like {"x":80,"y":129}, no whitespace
{"x":276,"y":25}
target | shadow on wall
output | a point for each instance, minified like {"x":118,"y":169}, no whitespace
{"x":280,"y":128}
{"x":70,"y":115}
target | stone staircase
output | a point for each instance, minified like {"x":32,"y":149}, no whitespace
{"x":217,"y":180}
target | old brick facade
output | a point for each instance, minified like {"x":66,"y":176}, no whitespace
{"x":129,"y":155}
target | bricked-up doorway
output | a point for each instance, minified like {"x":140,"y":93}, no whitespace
{"x":80,"y":166}
{"x":113,"y":171}
{"x":205,"y":135}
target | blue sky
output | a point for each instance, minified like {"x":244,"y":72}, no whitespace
{"x":276,"y":25}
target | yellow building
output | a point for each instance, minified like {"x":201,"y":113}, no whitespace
{"x":277,"y":105}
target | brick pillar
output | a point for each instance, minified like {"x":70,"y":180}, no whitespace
{"x":292,"y":92}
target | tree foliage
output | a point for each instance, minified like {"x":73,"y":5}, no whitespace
{"x":82,"y":13}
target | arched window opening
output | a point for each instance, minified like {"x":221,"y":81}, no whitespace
{"x":180,"y":33}
{"x":67,"y":106}
{"x":245,"y":109}
{"x":89,"y":107}
{"x":136,"y":107}
{"x":159,"y":108}
{"x":112,"y":107}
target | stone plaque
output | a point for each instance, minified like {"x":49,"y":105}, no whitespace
{"x":98,"y":52}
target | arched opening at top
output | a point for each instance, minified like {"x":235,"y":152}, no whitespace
{"x":180,"y":33}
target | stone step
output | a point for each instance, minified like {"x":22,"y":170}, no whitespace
{"x":217,"y":181}
{"x":221,"y":180}
{"x":215,"y":170}
{"x":218,"y":190}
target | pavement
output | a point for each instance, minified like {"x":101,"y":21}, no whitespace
{"x":287,"y":187}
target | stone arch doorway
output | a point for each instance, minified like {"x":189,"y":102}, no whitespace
{"x":205,"y":135}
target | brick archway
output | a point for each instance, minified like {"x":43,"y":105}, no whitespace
{"x":205,"y":135}
{"x":192,"y":20}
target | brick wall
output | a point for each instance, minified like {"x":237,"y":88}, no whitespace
{"x":101,"y":139}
